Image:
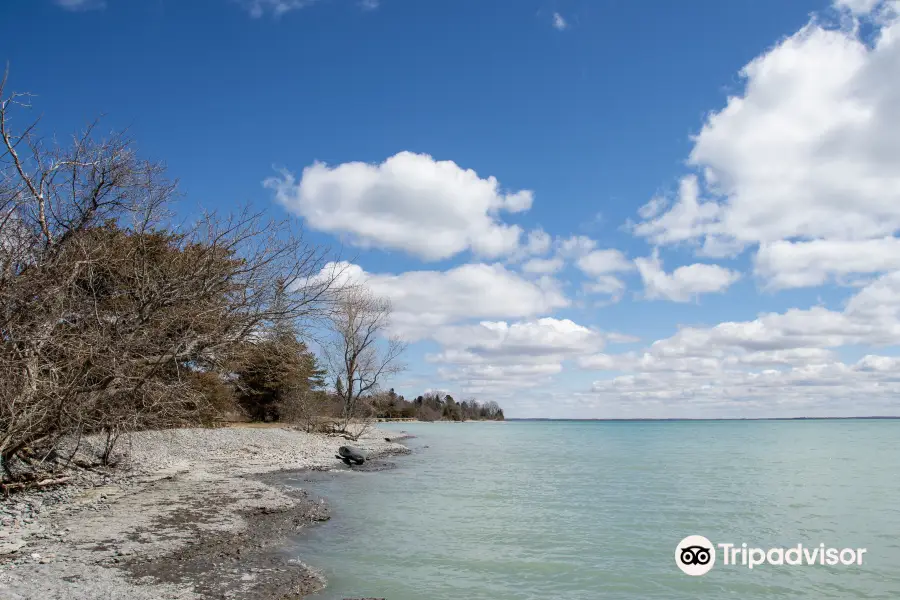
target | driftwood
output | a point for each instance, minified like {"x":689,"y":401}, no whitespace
{"x":10,"y":487}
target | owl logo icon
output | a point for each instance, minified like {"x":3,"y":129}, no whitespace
{"x":695,"y":555}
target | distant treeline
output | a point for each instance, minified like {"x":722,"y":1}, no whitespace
{"x":435,"y":407}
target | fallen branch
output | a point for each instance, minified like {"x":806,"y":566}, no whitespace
{"x":9,"y":487}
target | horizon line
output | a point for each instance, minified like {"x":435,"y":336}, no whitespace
{"x":872,"y":417}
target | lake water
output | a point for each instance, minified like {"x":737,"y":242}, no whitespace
{"x":595,"y":510}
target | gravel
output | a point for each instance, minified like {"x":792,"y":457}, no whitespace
{"x":196,"y":493}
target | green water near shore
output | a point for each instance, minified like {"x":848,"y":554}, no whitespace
{"x":588,"y":510}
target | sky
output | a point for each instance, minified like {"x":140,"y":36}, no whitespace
{"x":579,"y":209}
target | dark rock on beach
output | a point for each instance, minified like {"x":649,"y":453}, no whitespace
{"x":351,"y":455}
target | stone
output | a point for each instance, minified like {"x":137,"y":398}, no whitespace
{"x":351,"y":455}
{"x":11,"y":547}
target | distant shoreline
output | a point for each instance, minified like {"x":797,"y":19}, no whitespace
{"x":639,"y":420}
{"x":386,"y":420}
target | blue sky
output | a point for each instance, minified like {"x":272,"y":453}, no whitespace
{"x":578,"y":209}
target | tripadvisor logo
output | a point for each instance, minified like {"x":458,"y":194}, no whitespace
{"x":696,"y":555}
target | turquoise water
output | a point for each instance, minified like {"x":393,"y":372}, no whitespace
{"x":586,"y":511}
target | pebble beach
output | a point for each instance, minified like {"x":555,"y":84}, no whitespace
{"x":186,"y":514}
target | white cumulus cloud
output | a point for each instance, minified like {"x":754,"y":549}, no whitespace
{"x":538,"y":338}
{"x":601,"y":262}
{"x":783,"y":364}
{"x":498,"y":354}
{"x":538,"y":242}
{"x":786,"y":264}
{"x":575,"y":246}
{"x":410,"y":202}
{"x":600,"y":266}
{"x":858,"y":7}
{"x":425,"y":300}
{"x":684,"y":283}
{"x":559,"y":22}
{"x":803,"y":160}
{"x":543,"y":265}
{"x":705,"y":388}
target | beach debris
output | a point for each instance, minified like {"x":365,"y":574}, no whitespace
{"x":8,"y":487}
{"x":11,"y":547}
{"x":351,"y":455}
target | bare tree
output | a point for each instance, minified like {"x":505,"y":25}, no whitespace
{"x":305,"y":408}
{"x":359,"y":356}
{"x":106,"y":307}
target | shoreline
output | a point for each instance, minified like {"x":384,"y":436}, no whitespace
{"x":198,"y":519}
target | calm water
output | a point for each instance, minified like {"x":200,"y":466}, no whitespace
{"x":583,"y":511}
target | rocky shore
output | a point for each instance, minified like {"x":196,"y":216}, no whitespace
{"x":192,"y":514}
